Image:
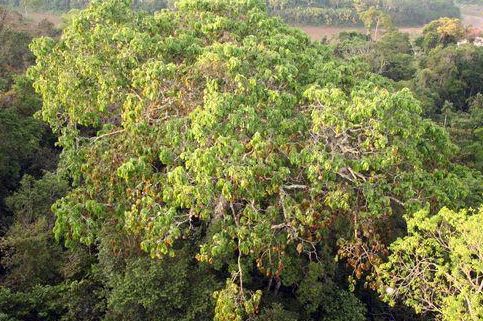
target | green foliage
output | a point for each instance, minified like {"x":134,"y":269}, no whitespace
{"x":32,"y":263}
{"x":466,"y":129}
{"x":14,"y":55}
{"x":25,"y":143}
{"x":318,"y":294}
{"x":445,"y":77}
{"x":39,"y":276}
{"x":83,"y":299}
{"x":21,"y":133}
{"x":20,"y":139}
{"x":443,"y":31}
{"x":41,"y":303}
{"x":69,"y":301}
{"x":233,"y":304}
{"x":351,"y":44}
{"x":215,"y":161}
{"x":317,"y":15}
{"x":22,"y":144}
{"x":30,"y":257}
{"x":419,"y":12}
{"x":254,"y":141}
{"x":169,"y":289}
{"x":28,"y":251}
{"x":277,"y":312}
{"x":393,"y":56}
{"x":376,"y":19}
{"x":453,"y":74}
{"x":438,"y":266}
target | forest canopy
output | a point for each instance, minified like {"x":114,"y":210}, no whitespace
{"x":209,"y":162}
{"x":217,"y":134}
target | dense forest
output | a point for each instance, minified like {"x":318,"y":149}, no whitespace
{"x":209,"y":162}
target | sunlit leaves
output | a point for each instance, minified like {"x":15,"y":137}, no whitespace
{"x":438,"y":266}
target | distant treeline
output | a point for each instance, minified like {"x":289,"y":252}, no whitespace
{"x":314,"y":12}
{"x":402,"y":12}
{"x":62,"y":5}
{"x":66,"y":5}
{"x":319,"y":15}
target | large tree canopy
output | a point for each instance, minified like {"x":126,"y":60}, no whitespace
{"x":216,"y":123}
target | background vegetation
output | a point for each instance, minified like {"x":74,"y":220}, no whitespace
{"x":403,"y":12}
{"x":312,"y":12}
